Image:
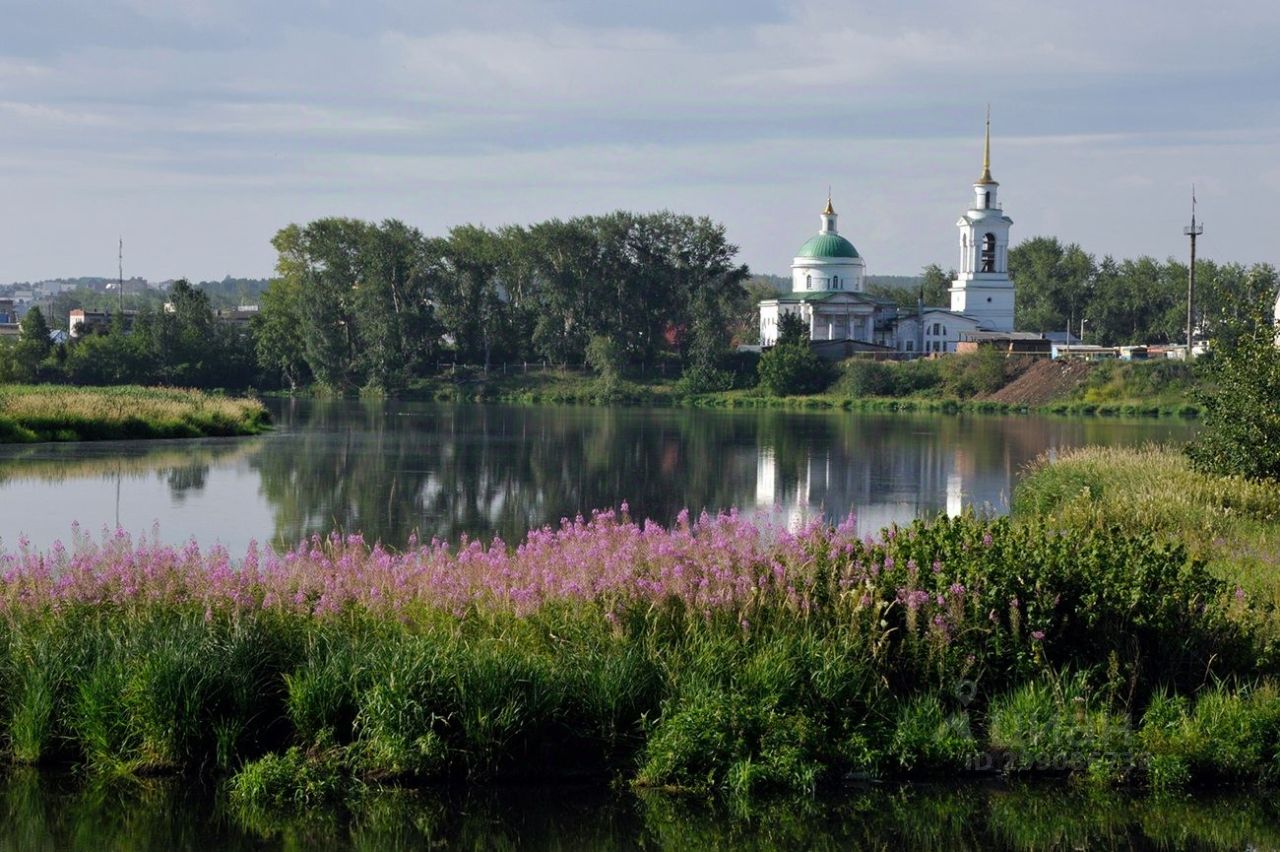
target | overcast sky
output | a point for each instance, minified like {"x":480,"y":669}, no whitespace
{"x":197,"y":128}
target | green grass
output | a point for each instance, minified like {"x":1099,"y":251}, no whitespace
{"x":1231,"y":522}
{"x":1159,"y":384}
{"x":30,"y":413}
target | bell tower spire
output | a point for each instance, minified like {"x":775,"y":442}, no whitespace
{"x":986,"y":153}
{"x":982,"y":288}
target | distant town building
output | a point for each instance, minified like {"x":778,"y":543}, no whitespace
{"x":8,"y":318}
{"x":931,"y":330}
{"x":1008,"y":342}
{"x":81,"y":321}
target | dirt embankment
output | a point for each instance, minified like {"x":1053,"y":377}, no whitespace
{"x":1043,"y":382}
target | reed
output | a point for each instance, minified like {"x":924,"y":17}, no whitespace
{"x":64,"y":413}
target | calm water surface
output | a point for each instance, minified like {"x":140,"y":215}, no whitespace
{"x":390,"y":469}
{"x":47,"y":812}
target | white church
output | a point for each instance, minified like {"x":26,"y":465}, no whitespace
{"x":827,"y":286}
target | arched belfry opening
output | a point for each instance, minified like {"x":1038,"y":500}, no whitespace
{"x":988,"y":252}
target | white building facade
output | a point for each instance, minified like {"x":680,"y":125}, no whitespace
{"x":931,"y":331}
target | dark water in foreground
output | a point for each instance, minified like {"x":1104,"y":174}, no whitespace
{"x":390,"y":469}
{"x":48,"y":812}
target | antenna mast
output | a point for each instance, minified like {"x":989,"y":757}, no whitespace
{"x":120,"y":278}
{"x":1193,"y":231}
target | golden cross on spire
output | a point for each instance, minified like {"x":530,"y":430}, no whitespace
{"x":829,"y":211}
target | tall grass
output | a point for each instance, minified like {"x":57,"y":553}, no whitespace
{"x":63,"y":413}
{"x":714,"y":655}
{"x":1231,"y":522}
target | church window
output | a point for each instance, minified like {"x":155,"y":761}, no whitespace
{"x":986,"y":199}
{"x":808,"y":282}
{"x":835,"y":282}
{"x":911,"y":346}
{"x":944,"y":331}
{"x":989,"y":252}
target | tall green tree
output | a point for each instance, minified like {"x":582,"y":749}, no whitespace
{"x":1241,"y":428}
{"x":395,"y":317}
{"x":32,"y":349}
{"x":935,"y":285}
{"x":279,"y":334}
{"x":1054,"y":283}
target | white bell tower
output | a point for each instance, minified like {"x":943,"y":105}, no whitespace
{"x":982,"y":288}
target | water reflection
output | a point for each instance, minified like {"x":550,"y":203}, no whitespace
{"x":48,"y":811}
{"x":394,"y":469}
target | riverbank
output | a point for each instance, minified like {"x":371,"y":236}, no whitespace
{"x":1107,"y":397}
{"x":31,"y":413}
{"x":718,"y":656}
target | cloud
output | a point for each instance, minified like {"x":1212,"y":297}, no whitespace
{"x":744,"y":111}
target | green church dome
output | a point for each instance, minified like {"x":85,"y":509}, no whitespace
{"x":827,"y":245}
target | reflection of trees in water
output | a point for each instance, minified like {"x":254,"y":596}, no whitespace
{"x":389,"y":469}
{"x":183,"y":466}
{"x":489,"y":470}
{"x":50,"y":810}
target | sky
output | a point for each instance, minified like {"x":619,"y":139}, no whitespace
{"x":195,"y":129}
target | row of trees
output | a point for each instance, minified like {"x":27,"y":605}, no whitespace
{"x":181,"y":345}
{"x":358,"y":303}
{"x":1130,"y":301}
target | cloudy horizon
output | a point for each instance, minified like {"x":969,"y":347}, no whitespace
{"x":195,"y":129}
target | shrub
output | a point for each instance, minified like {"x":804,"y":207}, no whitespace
{"x":789,"y":369}
{"x":981,"y":372}
{"x":865,"y":377}
{"x":1059,"y":724}
{"x":921,"y":374}
{"x":700,"y":379}
{"x":1241,"y":433}
{"x":927,"y":738}
{"x":605,"y":356}
{"x":293,"y":779}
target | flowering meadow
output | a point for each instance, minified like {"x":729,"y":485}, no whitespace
{"x":719,"y":653}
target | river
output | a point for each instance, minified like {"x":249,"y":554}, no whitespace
{"x":394,"y":469}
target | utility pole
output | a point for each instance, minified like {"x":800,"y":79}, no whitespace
{"x":1193,"y":231}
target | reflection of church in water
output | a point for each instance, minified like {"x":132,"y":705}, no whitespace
{"x":885,"y":479}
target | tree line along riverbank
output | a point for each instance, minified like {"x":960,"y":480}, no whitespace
{"x":983,"y":383}
{"x":717,"y":656}
{"x":31,"y":413}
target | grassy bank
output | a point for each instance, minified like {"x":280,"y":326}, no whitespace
{"x":945,"y":386}
{"x":1230,"y":522}
{"x":715,"y":656}
{"x":31,"y":413}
